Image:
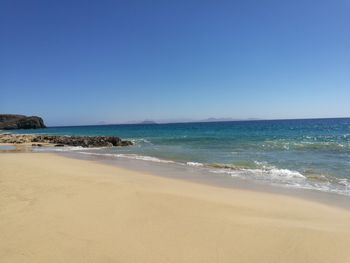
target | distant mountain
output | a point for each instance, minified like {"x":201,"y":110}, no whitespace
{"x":168,"y":121}
{"x":102,"y":123}
{"x":148,"y":122}
{"x":218,"y":119}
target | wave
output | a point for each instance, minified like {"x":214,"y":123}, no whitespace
{"x":65,"y":149}
{"x":286,"y":178}
{"x":196,"y":164}
{"x":130,"y":156}
{"x":306,"y":146}
{"x":4,"y":132}
{"x":58,"y":149}
{"x":258,"y":171}
{"x":139,"y":141}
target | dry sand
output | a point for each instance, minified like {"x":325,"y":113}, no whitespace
{"x":55,"y":209}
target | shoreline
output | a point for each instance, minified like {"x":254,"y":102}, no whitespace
{"x":283,"y":156}
{"x":55,"y":209}
{"x":191,"y":174}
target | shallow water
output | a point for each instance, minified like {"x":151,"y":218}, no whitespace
{"x":7,"y":147}
{"x":308,"y":154}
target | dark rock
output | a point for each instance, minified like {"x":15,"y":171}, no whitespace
{"x":10,"y":117}
{"x":11,"y":122}
{"x":83,"y":141}
{"x":125,"y":143}
{"x":37,"y":145}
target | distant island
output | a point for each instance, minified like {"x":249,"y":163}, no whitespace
{"x":15,"y":121}
{"x":148,"y":122}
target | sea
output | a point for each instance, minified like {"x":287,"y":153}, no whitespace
{"x":305,"y":154}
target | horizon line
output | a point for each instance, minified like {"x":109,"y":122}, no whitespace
{"x":201,"y":121}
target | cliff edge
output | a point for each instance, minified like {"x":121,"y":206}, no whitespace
{"x":12,"y":122}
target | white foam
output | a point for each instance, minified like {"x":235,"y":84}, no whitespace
{"x":59,"y":149}
{"x":266,"y":173}
{"x":288,"y":178}
{"x":195,"y":164}
{"x":130,"y":156}
{"x":276,"y":172}
{"x":144,"y":158}
{"x":285,"y":173}
{"x":136,"y":141}
{"x":344,"y":182}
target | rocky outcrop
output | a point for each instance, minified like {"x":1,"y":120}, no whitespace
{"x":83,"y":141}
{"x":11,"y":122}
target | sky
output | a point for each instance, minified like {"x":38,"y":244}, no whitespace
{"x":87,"y":62}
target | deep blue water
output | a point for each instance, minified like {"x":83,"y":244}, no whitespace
{"x":297,"y":153}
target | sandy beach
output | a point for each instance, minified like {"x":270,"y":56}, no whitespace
{"x":56,"y":209}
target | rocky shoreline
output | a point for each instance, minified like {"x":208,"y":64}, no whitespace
{"x":56,"y":140}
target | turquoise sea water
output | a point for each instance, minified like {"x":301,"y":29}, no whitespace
{"x":311,"y":154}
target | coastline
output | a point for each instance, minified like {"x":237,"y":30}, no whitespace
{"x":300,"y":154}
{"x":304,"y":154}
{"x":57,"y":209}
{"x":194,"y":175}
{"x":179,"y":171}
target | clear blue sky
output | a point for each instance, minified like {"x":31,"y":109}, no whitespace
{"x":81,"y":62}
